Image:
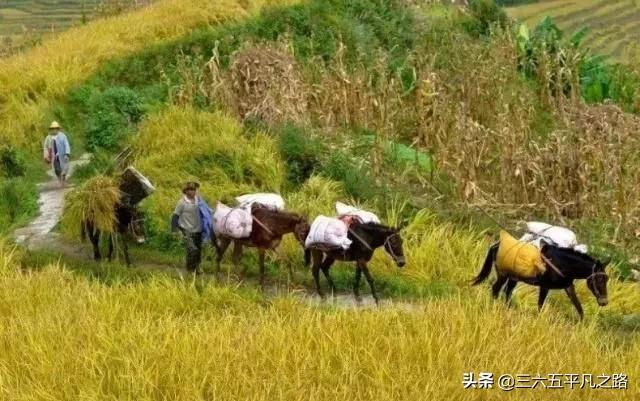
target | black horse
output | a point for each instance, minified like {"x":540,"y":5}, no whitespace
{"x":365,"y":239}
{"x":130,"y":222}
{"x":563,"y":266}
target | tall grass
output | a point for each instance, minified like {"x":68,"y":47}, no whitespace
{"x":182,"y":144}
{"x":33,"y":81}
{"x":63,"y":337}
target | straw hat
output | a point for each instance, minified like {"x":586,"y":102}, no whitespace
{"x":54,"y":125}
{"x":191,"y":185}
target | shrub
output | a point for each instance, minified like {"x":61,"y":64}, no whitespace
{"x":301,"y":154}
{"x":18,"y":200}
{"x":112,"y":114}
{"x":485,"y":14}
{"x":356,"y":180}
{"x":12,"y":162}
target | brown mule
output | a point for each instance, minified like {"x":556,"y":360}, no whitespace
{"x":267,"y":230}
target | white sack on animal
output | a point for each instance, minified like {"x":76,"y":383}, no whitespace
{"x":270,"y":200}
{"x":328,"y":231}
{"x":232,"y":222}
{"x":364,"y":216}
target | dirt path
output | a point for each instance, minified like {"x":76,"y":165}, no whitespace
{"x":38,"y":234}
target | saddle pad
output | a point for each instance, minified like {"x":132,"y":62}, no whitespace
{"x":519,"y":259}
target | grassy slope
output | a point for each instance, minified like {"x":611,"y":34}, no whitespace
{"x":614,"y":26}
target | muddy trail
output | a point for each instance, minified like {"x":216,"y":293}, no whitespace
{"x":40,"y":235}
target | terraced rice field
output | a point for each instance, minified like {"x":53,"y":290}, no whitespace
{"x":43,"y":16}
{"x":614,"y":25}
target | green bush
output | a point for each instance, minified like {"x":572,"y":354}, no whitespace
{"x":485,"y":14}
{"x":18,"y":201}
{"x":111,"y":115}
{"x":12,"y":163}
{"x":356,"y":180}
{"x":301,"y":154}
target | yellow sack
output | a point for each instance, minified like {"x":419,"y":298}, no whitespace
{"x":516,"y":258}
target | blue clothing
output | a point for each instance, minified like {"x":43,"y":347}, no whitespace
{"x":61,"y":151}
{"x":207,"y":219}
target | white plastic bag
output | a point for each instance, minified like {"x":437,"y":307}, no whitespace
{"x":328,"y":231}
{"x":271,"y":201}
{"x":232,"y":222}
{"x":560,"y":236}
{"x":364,"y":216}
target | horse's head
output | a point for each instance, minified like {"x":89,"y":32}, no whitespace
{"x":597,"y":282}
{"x":393,"y":246}
{"x":136,"y":226}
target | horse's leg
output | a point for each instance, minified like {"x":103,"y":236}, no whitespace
{"x":125,"y":249}
{"x":571,"y":293}
{"x":94,"y":237}
{"x":261,"y":253}
{"x":495,"y":289}
{"x":237,"y":254}
{"x":367,"y":275}
{"x":542,"y":296}
{"x":110,"y":247}
{"x":315,"y":270}
{"x":326,"y":265}
{"x":356,"y":284}
{"x":220,"y":250}
{"x":508,"y":290}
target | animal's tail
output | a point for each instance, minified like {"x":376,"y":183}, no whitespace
{"x":488,"y":263}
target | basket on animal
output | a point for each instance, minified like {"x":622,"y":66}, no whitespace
{"x":519,"y":259}
{"x":95,"y":200}
{"x":134,"y":186}
{"x":267,"y":85}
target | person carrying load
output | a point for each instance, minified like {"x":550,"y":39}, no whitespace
{"x":192,"y":217}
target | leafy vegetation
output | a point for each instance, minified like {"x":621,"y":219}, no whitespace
{"x":404,"y":111}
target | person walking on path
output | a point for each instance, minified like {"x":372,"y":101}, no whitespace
{"x":60,"y":152}
{"x":193,"y":218}
{"x":47,"y":148}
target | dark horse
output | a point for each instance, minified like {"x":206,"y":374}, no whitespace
{"x":268,"y":228}
{"x":366,"y":238}
{"x":129,"y":221}
{"x":563,"y":266}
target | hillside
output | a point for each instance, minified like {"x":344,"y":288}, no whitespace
{"x":440,"y":120}
{"x":42,"y":16}
{"x":614,"y":26}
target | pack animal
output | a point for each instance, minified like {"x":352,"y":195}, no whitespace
{"x":563,"y":267}
{"x":130,"y":224}
{"x":366,"y":238}
{"x":268,"y":228}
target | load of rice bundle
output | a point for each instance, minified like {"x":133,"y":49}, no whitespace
{"x":519,"y":259}
{"x":135,"y":186}
{"x":95,"y":200}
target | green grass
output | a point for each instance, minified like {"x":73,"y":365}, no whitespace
{"x":612,"y":25}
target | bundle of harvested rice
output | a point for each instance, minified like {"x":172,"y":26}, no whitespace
{"x":95,"y":200}
{"x":267,"y":85}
